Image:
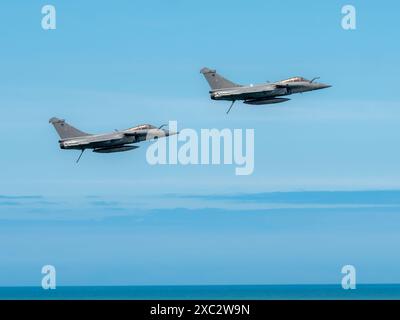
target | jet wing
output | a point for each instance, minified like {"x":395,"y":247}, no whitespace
{"x":92,"y":140}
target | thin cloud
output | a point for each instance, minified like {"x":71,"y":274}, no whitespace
{"x":20,"y":197}
{"x":390,"y":197}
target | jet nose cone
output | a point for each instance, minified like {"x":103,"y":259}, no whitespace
{"x":169,"y":133}
{"x":172,"y":133}
{"x":324,"y":86}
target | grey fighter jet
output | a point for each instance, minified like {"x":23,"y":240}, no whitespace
{"x":266,"y":93}
{"x":118,"y":141}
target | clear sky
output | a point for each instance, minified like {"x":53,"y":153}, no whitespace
{"x":115,"y":219}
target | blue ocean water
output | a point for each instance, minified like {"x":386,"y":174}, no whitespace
{"x":235,"y":292}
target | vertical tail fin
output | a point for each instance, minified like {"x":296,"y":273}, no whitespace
{"x":66,"y":131}
{"x":216,"y":81}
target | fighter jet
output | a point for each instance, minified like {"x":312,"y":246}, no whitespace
{"x":266,"y":93}
{"x":118,"y":141}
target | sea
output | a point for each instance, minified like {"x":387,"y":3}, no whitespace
{"x":214,"y":292}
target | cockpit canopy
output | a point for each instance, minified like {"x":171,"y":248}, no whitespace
{"x":295,"y":79}
{"x":142,"y":127}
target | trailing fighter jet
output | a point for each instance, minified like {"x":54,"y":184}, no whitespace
{"x":267,"y":93}
{"x":118,"y":141}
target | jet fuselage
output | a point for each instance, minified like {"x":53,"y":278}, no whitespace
{"x":114,"y":139}
{"x":265,"y":91}
{"x":118,"y":141}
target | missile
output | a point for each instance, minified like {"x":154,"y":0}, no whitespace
{"x":265,"y":101}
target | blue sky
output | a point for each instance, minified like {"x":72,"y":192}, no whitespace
{"x":116,"y":65}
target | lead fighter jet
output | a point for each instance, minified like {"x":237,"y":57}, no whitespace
{"x":266,"y":93}
{"x":118,"y":141}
